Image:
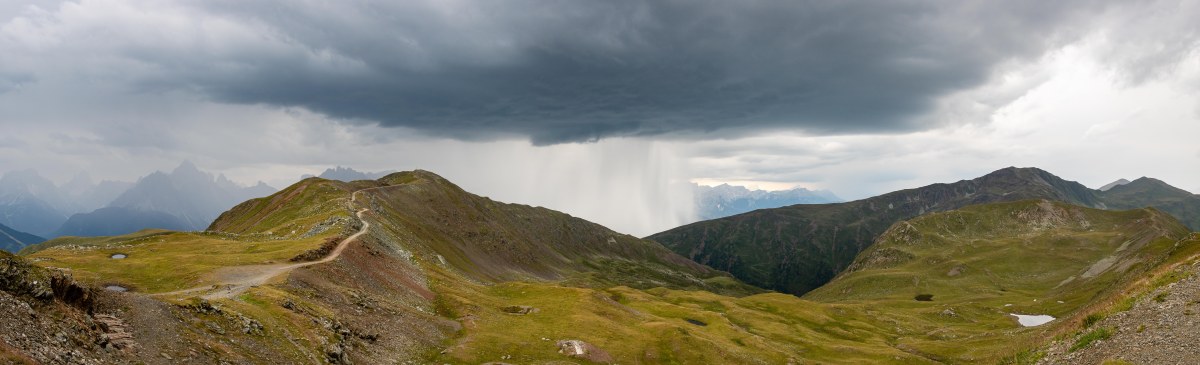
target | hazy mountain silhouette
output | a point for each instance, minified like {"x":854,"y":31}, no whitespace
{"x":725,"y":200}
{"x":185,"y":199}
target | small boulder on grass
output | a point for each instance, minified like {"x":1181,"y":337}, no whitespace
{"x":583,"y":350}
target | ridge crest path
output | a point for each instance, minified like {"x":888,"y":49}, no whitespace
{"x":234,"y":280}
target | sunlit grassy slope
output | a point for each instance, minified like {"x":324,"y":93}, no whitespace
{"x":166,"y":261}
{"x":266,"y":230}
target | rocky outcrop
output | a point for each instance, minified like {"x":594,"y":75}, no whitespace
{"x":115,"y":333}
{"x":45,"y":317}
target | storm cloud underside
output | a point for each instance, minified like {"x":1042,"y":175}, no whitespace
{"x":570,"y":71}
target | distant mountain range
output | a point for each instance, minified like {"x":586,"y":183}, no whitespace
{"x":185,"y":199}
{"x":347,"y":174}
{"x":725,"y":200}
{"x":31,"y":203}
{"x":798,"y":248}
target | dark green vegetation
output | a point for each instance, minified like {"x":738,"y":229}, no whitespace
{"x":798,"y":248}
{"x":12,"y":240}
{"x":1093,"y":336}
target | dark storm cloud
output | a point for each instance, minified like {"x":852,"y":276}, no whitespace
{"x":567,"y":71}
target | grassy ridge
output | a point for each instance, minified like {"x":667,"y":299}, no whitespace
{"x":659,"y":326}
{"x":296,"y":208}
{"x":165,"y":261}
{"x":490,"y":241}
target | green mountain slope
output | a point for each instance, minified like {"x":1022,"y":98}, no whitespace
{"x":1148,"y":192}
{"x":12,"y":240}
{"x":1032,"y":254}
{"x":480,"y":238}
{"x":798,"y":248}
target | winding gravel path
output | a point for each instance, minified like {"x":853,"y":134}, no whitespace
{"x":235,"y":280}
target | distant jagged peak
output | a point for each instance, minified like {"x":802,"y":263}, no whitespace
{"x":727,"y":191}
{"x":188,"y":171}
{"x":225,"y":183}
{"x":81,"y":181}
{"x":27,"y":183}
{"x":26,"y":180}
{"x":1113,"y":184}
{"x":21,"y":175}
{"x":348,"y":174}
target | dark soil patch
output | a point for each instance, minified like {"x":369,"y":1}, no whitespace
{"x":519,"y":309}
{"x":924,"y":297}
{"x":695,"y":322}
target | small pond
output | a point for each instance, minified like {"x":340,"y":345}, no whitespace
{"x":1032,"y":320}
{"x":116,"y":288}
{"x":118,"y":256}
{"x":696,"y":322}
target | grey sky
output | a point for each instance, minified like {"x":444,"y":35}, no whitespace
{"x":859,"y":97}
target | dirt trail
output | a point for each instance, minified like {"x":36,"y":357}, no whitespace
{"x":234,"y":280}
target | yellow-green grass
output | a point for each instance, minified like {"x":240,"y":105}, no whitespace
{"x":651,"y":326}
{"x":72,"y":240}
{"x":868,"y":316}
{"x":166,"y":261}
{"x":1004,"y":267}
